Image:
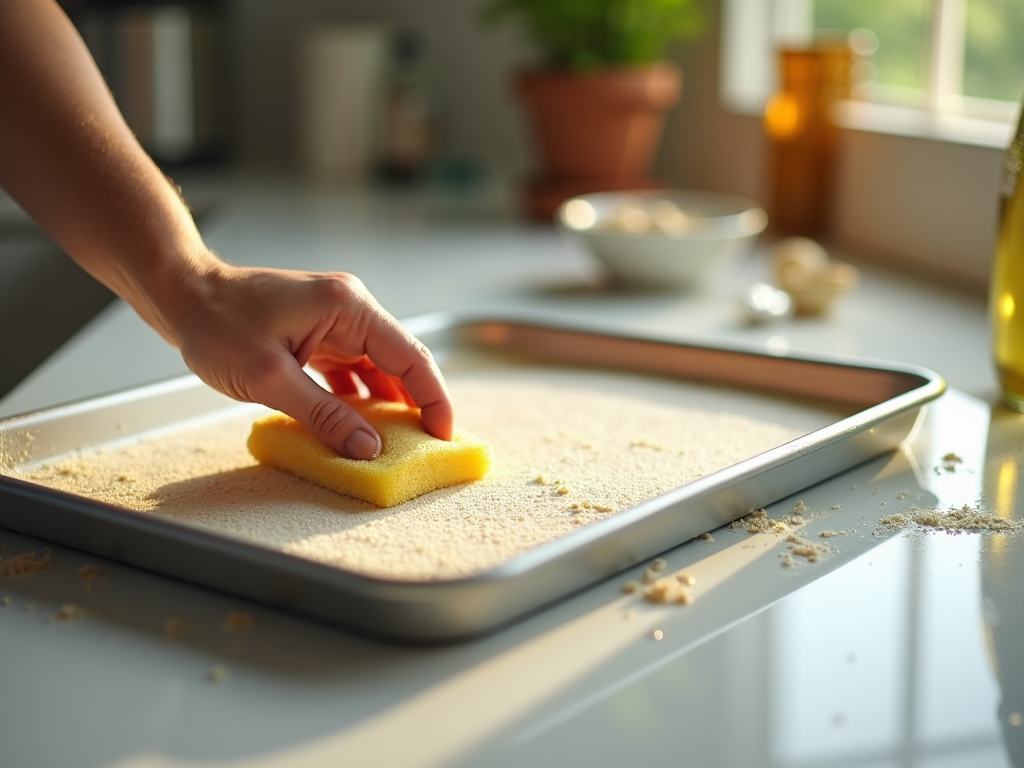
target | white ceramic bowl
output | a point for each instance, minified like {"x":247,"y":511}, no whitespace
{"x":663,"y":238}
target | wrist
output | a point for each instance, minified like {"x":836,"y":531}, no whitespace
{"x":170,"y":287}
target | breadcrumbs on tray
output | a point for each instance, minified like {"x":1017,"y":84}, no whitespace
{"x":26,"y":564}
{"x":67,"y":612}
{"x":631,"y":587}
{"x":705,"y":537}
{"x":953,"y":520}
{"x":831,"y":534}
{"x":657,"y":634}
{"x":217,"y":674}
{"x":452,"y":533}
{"x":835,"y":507}
{"x":239,"y":621}
{"x":589,"y":505}
{"x":641,"y":442}
{"x":173,"y":627}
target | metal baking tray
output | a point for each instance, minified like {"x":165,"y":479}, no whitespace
{"x":878,"y":406}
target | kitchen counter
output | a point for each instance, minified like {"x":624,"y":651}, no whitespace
{"x":898,"y":649}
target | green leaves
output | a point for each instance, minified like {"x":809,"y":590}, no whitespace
{"x":589,"y":34}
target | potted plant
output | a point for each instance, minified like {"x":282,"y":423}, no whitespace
{"x":598,"y":103}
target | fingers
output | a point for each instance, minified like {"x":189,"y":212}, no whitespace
{"x":341,"y":379}
{"x":329,"y":419}
{"x":382,"y":384}
{"x":396,"y":352}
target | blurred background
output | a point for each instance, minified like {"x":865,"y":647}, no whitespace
{"x":226,"y":88}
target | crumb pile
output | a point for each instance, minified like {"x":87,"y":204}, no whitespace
{"x":25,"y":564}
{"x":89,"y":573}
{"x":966,"y":518}
{"x":950,"y":462}
{"x":655,"y":588}
{"x":565,"y":456}
{"x":796,"y":544}
{"x":67,"y":612}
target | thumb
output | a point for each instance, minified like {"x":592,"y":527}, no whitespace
{"x":329,"y":419}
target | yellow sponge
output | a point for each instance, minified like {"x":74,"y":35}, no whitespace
{"x":412,"y":462}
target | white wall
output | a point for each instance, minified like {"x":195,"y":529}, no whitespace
{"x":472,"y":66}
{"x":928,"y":205}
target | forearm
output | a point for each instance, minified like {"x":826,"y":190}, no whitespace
{"x":67,"y":156}
{"x":70,"y":160}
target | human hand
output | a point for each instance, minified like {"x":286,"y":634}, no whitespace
{"x":248,"y":332}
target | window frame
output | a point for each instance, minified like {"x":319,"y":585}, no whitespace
{"x":753,"y":29}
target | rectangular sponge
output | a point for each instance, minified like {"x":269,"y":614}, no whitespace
{"x":411,"y":463}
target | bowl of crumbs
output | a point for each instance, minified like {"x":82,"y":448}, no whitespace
{"x":666,"y":239}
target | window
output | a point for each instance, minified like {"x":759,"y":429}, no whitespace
{"x":958,"y":62}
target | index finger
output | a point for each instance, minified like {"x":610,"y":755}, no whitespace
{"x":396,"y":351}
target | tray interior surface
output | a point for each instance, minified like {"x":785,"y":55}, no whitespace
{"x":566,"y":436}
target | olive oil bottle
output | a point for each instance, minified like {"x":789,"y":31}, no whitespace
{"x":1006,"y":298}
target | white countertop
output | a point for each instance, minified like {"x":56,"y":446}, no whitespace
{"x":885,"y":653}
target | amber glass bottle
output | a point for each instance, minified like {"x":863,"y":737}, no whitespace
{"x":804,"y":136}
{"x":1006,"y":298}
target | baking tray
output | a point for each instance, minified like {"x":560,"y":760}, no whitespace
{"x":880,"y":404}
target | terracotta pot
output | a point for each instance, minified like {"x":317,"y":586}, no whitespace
{"x":596,"y":131}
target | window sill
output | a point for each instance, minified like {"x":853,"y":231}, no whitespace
{"x":917,"y":124}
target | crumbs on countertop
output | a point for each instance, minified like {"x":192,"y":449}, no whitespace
{"x":89,"y":573}
{"x":757,"y":521}
{"x":797,"y":545}
{"x":26,"y":564}
{"x":67,"y":612}
{"x":953,"y":520}
{"x":670,"y":589}
{"x":950,"y":463}
{"x":811,"y":551}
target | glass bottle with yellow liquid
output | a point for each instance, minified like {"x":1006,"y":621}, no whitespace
{"x":1006,"y":298}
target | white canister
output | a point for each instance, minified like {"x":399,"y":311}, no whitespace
{"x":342,"y":71}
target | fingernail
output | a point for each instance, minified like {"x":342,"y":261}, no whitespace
{"x":363,"y":446}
